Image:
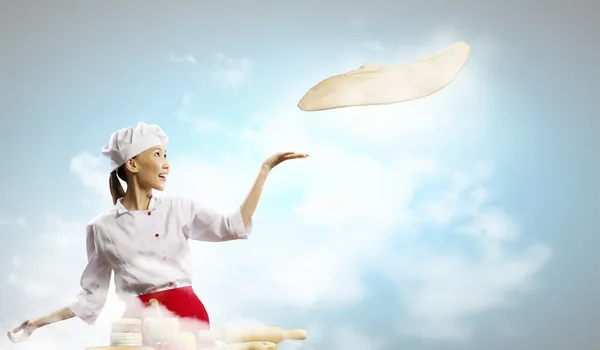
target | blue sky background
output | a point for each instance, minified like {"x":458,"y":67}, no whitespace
{"x":371,"y":222}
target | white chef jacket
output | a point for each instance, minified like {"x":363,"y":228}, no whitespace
{"x":148,"y":250}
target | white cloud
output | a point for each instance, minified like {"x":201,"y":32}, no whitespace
{"x":93,"y":172}
{"x":450,"y":286}
{"x":182,"y":58}
{"x":358,"y":23}
{"x":375,"y":46}
{"x":464,"y":196}
{"x":348,"y":338}
{"x":188,"y":115}
{"x":231,"y":72}
{"x":20,"y":222}
{"x":323,"y":220}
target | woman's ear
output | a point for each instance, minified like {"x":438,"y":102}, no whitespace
{"x":131,"y":165}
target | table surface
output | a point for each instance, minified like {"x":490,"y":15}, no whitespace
{"x":121,"y":348}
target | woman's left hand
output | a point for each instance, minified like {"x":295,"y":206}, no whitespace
{"x":278,"y":158}
{"x":249,"y":206}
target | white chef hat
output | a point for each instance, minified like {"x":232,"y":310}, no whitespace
{"x":128,"y":142}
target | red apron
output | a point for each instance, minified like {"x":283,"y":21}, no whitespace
{"x":182,"y":302}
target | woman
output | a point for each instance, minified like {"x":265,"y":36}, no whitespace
{"x":143,"y":239}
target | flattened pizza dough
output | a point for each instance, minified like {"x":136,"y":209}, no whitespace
{"x":374,"y":84}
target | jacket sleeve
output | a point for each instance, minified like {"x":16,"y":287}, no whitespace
{"x":205,"y":224}
{"x":95,"y":281}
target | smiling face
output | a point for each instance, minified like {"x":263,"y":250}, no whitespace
{"x":150,"y":168}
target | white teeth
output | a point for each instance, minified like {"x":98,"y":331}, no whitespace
{"x":164,"y":176}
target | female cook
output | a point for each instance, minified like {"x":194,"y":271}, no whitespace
{"x":143,"y":239}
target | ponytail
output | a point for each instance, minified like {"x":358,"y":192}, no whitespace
{"x":116,"y":189}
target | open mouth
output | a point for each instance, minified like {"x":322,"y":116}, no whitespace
{"x":162,"y":177}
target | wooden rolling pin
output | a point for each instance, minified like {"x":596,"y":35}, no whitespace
{"x":250,"y":346}
{"x":252,"y":334}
